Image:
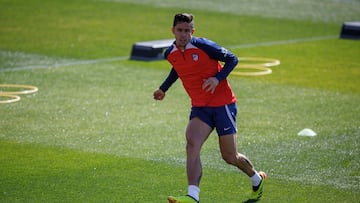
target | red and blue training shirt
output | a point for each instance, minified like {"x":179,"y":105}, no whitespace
{"x":199,"y":61}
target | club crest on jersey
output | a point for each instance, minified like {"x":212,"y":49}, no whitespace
{"x":195,"y":57}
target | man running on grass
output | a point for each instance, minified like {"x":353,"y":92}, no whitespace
{"x":196,"y":62}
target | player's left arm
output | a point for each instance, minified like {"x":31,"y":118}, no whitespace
{"x":219,"y":53}
{"x":230,"y":63}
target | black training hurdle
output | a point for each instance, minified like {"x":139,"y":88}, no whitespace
{"x":150,"y":50}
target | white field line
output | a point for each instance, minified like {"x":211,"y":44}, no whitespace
{"x":95,"y":61}
{"x":291,"y":41}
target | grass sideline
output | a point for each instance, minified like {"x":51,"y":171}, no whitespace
{"x":97,"y":115}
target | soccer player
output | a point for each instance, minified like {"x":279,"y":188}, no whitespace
{"x":196,"y":61}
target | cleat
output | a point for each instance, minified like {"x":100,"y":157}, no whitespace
{"x":181,"y":199}
{"x":256,"y":195}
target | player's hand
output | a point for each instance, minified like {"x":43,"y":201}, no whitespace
{"x":210,"y":84}
{"x":159,"y":94}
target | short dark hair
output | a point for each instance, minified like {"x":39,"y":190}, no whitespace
{"x":183,"y":17}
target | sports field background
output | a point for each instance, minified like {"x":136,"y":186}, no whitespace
{"x":93,"y":133}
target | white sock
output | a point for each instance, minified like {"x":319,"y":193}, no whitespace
{"x":194,"y":191}
{"x":255,"y":179}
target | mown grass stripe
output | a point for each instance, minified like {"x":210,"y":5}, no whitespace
{"x":59,"y":65}
{"x":121,"y":58}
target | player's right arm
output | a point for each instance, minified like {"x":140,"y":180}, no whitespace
{"x":159,"y":94}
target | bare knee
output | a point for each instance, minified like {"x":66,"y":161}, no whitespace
{"x":194,"y":143}
{"x":234,"y":159}
{"x":231,"y":158}
{"x":192,"y":148}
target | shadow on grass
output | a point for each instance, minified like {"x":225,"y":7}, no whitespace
{"x":251,"y":200}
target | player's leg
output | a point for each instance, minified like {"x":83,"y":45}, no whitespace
{"x":197,"y":132}
{"x":229,"y":152}
{"x":226,"y":129}
{"x":225,"y":121}
{"x":231,"y":156}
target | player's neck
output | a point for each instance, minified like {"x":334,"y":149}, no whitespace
{"x":182,"y":48}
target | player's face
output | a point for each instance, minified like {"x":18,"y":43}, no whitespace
{"x":183,"y":33}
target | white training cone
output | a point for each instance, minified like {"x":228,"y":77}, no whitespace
{"x":307,"y":132}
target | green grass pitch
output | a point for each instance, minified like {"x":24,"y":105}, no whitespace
{"x":93,"y":133}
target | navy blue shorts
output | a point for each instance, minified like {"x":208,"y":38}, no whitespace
{"x":222,"y":118}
